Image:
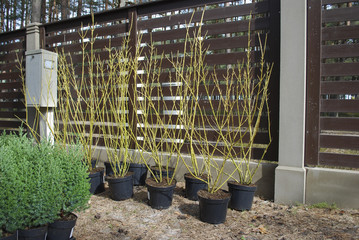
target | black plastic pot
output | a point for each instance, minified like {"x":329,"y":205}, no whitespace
{"x":160,"y":197}
{"x":10,"y":237}
{"x":33,"y":233}
{"x":121,"y":188}
{"x":193,"y":185}
{"x":108,"y":168}
{"x":139,"y":173}
{"x":242,"y":196}
{"x":97,"y":181}
{"x":156,"y":172}
{"x":213,"y":211}
{"x":61,"y":229}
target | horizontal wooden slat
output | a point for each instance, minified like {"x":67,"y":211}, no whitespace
{"x":342,"y":160}
{"x":340,"y":69}
{"x":10,"y":114}
{"x":211,"y":44}
{"x":77,"y":35}
{"x":11,"y":95}
{"x":8,"y":66}
{"x":10,"y":76}
{"x":11,"y":105}
{"x":10,"y":124}
{"x":211,"y":14}
{"x":212,"y":29}
{"x":339,"y":124}
{"x":347,"y":87}
{"x":341,"y":32}
{"x":333,"y":105}
{"x":340,"y":14}
{"x":335,"y":1}
{"x":339,"y":142}
{"x":6,"y":36}
{"x":340,"y":51}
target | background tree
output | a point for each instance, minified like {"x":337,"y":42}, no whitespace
{"x":16,"y":14}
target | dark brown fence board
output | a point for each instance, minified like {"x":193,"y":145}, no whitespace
{"x":341,"y":160}
{"x":339,"y":142}
{"x":211,"y":14}
{"x":12,"y":105}
{"x":340,"y":51}
{"x":340,"y":69}
{"x":335,"y":1}
{"x":340,"y":14}
{"x":10,"y":124}
{"x":11,"y":36}
{"x":11,"y":95}
{"x":339,"y":124}
{"x":340,"y":87}
{"x":334,"y":105}
{"x":340,"y":32}
{"x":212,"y":29}
{"x":10,"y":114}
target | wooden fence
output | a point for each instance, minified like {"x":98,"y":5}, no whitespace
{"x":12,"y":48}
{"x":333,"y":83}
{"x":225,"y":24}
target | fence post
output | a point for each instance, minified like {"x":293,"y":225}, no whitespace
{"x":40,"y":118}
{"x":290,"y":175}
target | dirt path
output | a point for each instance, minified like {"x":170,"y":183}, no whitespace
{"x":134,"y":219}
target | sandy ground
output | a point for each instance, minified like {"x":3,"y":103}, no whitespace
{"x":134,"y":219}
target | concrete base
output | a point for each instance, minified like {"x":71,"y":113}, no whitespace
{"x":289,"y":185}
{"x":333,"y":186}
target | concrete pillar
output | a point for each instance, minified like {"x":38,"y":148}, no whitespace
{"x":290,"y":175}
{"x":32,"y":36}
{"x":41,"y":119}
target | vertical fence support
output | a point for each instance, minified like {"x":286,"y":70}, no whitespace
{"x":41,"y":121}
{"x":290,"y":175}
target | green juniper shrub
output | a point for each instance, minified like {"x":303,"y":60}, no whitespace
{"x":75,"y":190}
{"x":31,"y":183}
{"x":39,"y":182}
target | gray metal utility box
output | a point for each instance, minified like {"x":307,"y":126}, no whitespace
{"x":41,"y":78}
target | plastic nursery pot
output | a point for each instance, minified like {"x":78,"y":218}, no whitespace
{"x":156,"y":172}
{"x":193,"y":185}
{"x":242,"y":196}
{"x":121,"y":188}
{"x":108,"y":168}
{"x":213,"y":207}
{"x":139,"y":173}
{"x":97,"y":181}
{"x":160,"y":195}
{"x":33,"y":233}
{"x":62,"y":229}
{"x":9,"y":236}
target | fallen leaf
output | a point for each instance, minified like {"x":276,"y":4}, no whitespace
{"x":262,"y":230}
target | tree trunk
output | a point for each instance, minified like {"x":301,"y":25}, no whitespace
{"x":23,"y":9}
{"x":64,"y":9}
{"x":36,"y":11}
{"x":2,"y":16}
{"x":43,"y":11}
{"x":79,"y":8}
{"x":7,"y":15}
{"x":14,"y":15}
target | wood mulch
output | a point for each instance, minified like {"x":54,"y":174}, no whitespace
{"x":134,"y":219}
